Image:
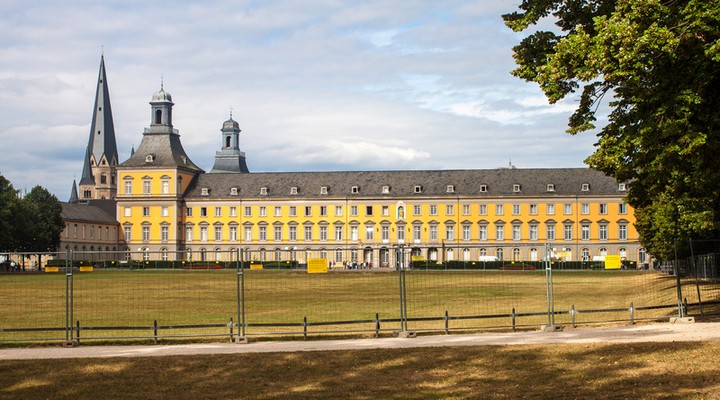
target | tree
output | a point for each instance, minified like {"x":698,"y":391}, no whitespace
{"x":44,"y":221}
{"x":658,"y":62}
{"x":8,"y":209}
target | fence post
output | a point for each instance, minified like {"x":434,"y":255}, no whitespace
{"x":697,"y":278}
{"x":514,"y":328}
{"x":678,"y":285}
{"x":447,"y":322}
{"x":572,"y":315}
{"x":549,"y":288}
{"x":632,"y":313}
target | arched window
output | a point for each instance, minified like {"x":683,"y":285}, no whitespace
{"x":227,"y":141}
{"x":499,"y":253}
{"x":585,"y":254}
{"x":158,"y":116}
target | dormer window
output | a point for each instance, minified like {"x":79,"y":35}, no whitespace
{"x":450,"y":188}
{"x":386,"y":189}
{"x":550,"y":187}
{"x":483,"y":188}
{"x":294,"y":190}
{"x":622,"y":187}
{"x":355,"y":189}
{"x":204,"y":191}
{"x":149,"y":158}
{"x":418,"y":189}
{"x":233,"y":191}
{"x":323,"y":190}
{"x":263,"y":190}
{"x":585,"y":187}
{"x":516,"y":188}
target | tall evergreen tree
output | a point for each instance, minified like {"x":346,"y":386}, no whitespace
{"x":658,"y":63}
{"x":8,"y":209}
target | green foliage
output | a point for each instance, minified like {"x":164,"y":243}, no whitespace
{"x":659,"y":63}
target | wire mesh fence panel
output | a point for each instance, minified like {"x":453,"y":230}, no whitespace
{"x":148,"y":297}
{"x":700,"y":280}
{"x":475,"y":299}
{"x":293,"y":301}
{"x":593,"y":296}
{"x":33,"y":297}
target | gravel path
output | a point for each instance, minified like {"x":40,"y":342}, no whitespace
{"x":661,"y":332}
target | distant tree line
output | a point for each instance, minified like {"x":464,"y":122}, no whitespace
{"x":30,"y":223}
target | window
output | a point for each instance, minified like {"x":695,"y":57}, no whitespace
{"x":516,"y":232}
{"x":450,"y":188}
{"x":603,"y":208}
{"x":323,"y":190}
{"x":466,"y":232}
{"x":585,"y":254}
{"x":550,"y":232}
{"x":233,"y":191}
{"x":433,"y":233}
{"x":385,"y":233}
{"x":567,"y":232}
{"x":370,"y":233}
{"x":294,"y":190}
{"x":218,"y":233}
{"x":248,"y":211}
{"x":483,"y":188}
{"x":262,"y":233}
{"x":354,"y":211}
{"x":248,"y":234}
{"x":128,"y":211}
{"x":204,"y":192}
{"x":533,"y":209}
{"x":128,"y":187}
{"x":338,"y":211}
{"x":550,"y":187}
{"x":92,"y":231}
{"x":482,"y":209}
{"x":466,"y":209}
{"x":146,"y":211}
{"x":164,"y":234}
{"x":203,"y":234}
{"x":263,"y":211}
{"x":622,"y":232}
{"x":233,"y":233}
{"x":585,"y":232}
{"x":263,"y":191}
{"x":449,"y":209}
{"x":308,"y":233}
{"x":418,"y":189}
{"x":550,"y":209}
{"x":188,"y":212}
{"x":278,"y":233}
{"x":278,"y":211}
{"x":355,"y":189}
{"x":433,"y":209}
{"x":293,"y":211}
{"x":203,"y":211}
{"x":126,"y":233}
{"x":145,"y":233}
{"x":516,"y":209}
{"x":621,"y":187}
{"x":449,"y":232}
{"x":603,"y":232}
{"x":516,"y":254}
{"x":323,"y":234}
{"x":417,"y":210}
{"x":622,"y":208}
{"x":323,"y":211}
{"x":146,"y":187}
{"x":417,"y":233}
{"x":585,"y":187}
{"x":338,"y":233}
{"x":164,"y":211}
{"x":499,"y":232}
{"x":189,"y":233}
{"x":233,"y":211}
{"x":386,"y":189}
{"x":308,"y":211}
{"x":499,"y":209}
{"x":218,"y":211}
{"x":369,"y":211}
{"x":567,"y":209}
{"x":401,"y":233}
{"x":533,"y":232}
{"x":516,"y":188}
{"x":165,"y":184}
{"x":585,"y":209}
{"x":292,"y":233}
{"x":482,"y":232}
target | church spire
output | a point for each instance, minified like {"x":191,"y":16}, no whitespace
{"x":73,"y":193}
{"x":98,"y":180}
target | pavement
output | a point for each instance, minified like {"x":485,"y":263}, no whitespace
{"x":659,"y":332}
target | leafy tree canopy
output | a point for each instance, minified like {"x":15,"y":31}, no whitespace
{"x":658,"y":62}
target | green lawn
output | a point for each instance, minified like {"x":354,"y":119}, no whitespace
{"x":199,"y":297}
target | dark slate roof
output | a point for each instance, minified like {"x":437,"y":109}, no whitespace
{"x":90,"y":211}
{"x":102,"y":144}
{"x":498,"y":182}
{"x":73,"y":193}
{"x":166,"y":149}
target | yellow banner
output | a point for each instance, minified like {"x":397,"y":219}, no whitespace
{"x":317,"y":266}
{"x":256,"y":266}
{"x":52,"y":269}
{"x":613,"y":262}
{"x":86,"y":269}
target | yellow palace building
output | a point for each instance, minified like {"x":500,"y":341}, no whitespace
{"x":169,"y":208}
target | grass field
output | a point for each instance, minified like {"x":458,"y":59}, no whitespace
{"x":575,"y":371}
{"x":126,"y":299}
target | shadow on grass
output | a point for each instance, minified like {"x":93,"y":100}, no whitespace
{"x":638,"y":371}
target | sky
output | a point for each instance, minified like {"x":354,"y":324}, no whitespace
{"x":315,"y":85}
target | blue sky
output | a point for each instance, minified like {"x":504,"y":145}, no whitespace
{"x":314,"y":85}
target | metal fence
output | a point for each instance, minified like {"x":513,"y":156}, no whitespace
{"x":74,"y":297}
